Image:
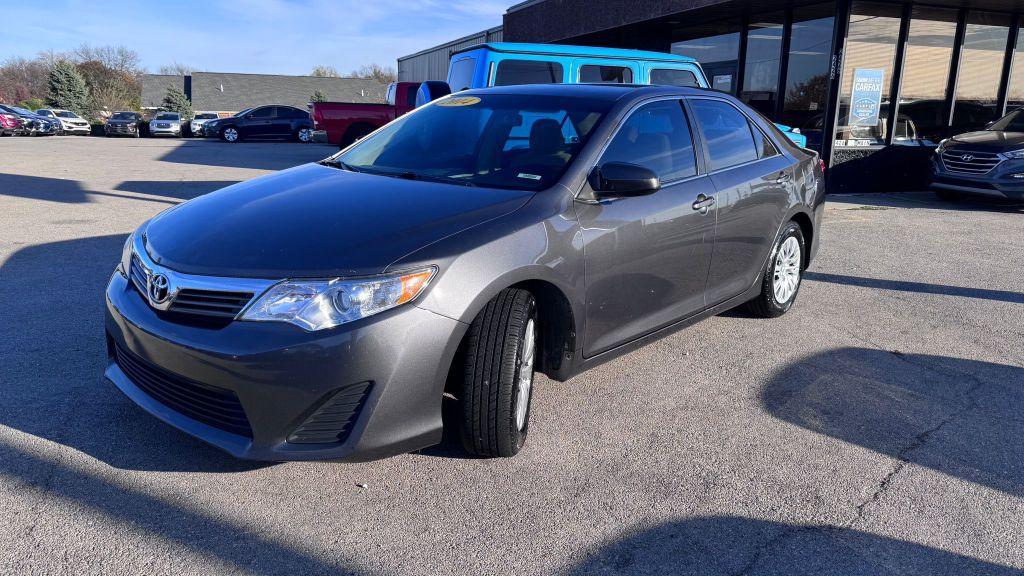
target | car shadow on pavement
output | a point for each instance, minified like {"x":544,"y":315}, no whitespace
{"x":726,"y":545}
{"x":925,"y":200}
{"x":921,"y":287}
{"x":180,"y":189}
{"x":242,"y":154}
{"x":118,"y":503}
{"x":960,"y":417}
{"x":53,"y":356}
{"x":72,"y":191}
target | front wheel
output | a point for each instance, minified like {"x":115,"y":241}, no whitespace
{"x":230,"y":135}
{"x":498,"y":375}
{"x":782,"y":275}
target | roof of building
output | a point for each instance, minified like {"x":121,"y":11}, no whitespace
{"x":232,"y":92}
{"x":569,"y":50}
{"x":155,"y":86}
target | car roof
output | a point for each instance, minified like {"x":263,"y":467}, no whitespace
{"x":570,"y":50}
{"x":596,"y":91}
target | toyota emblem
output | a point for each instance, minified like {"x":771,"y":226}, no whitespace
{"x":159,"y":288}
{"x":967,"y":157}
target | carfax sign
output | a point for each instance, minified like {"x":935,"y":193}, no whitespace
{"x":866,"y":97}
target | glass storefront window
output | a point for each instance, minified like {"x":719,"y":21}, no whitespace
{"x":929,"y":50}
{"x":810,"y":50}
{"x":867,"y":71}
{"x":1015,"y":94}
{"x":761,"y":69}
{"x":716,"y":46}
{"x":981,"y":59}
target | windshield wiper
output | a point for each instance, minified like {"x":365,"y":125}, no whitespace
{"x":338,"y":164}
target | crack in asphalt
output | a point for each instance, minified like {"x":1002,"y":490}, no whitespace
{"x":902,"y":457}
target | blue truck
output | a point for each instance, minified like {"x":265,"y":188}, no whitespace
{"x":509,"y":63}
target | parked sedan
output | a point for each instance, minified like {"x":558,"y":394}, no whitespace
{"x":123,"y":124}
{"x":49,"y":115}
{"x":323,"y":312}
{"x":32,"y":124}
{"x":165,"y":124}
{"x":70,"y":122}
{"x":987,"y":163}
{"x":264,"y":123}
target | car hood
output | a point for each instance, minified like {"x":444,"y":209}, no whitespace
{"x":317,"y":221}
{"x":988,"y":141}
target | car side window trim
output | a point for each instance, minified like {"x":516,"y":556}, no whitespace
{"x":750,"y":122}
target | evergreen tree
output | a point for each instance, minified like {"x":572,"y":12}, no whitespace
{"x":176,"y":101}
{"x":67,"y":88}
{"x":318,"y":96}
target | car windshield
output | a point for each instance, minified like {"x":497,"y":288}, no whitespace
{"x":242,"y":113}
{"x":1012,"y":122}
{"x":22,"y":111}
{"x":205,"y":116}
{"x":66,"y":114}
{"x":167,"y":116}
{"x":491,"y":140}
{"x":123,"y":116}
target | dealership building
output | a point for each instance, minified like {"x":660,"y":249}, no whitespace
{"x":873,"y":85}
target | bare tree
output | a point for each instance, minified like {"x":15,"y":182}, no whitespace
{"x":178,"y":69}
{"x":21,"y":79}
{"x":324,"y":71}
{"x":382,"y":74}
{"x":116,"y":58}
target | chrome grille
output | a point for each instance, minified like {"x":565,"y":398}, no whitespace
{"x":968,"y":162}
{"x":200,"y":302}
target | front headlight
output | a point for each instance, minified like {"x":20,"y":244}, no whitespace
{"x":126,"y":256}
{"x":319,"y":304}
{"x":1014,"y":154}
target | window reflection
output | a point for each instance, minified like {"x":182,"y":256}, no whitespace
{"x":716,"y":47}
{"x":981,"y":60}
{"x":925,"y":76}
{"x":867,"y":71}
{"x":761,"y":69}
{"x":810,"y":50}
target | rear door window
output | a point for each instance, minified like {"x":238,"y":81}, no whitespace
{"x":669,"y":77}
{"x":262,"y":113}
{"x":597,"y":74}
{"x":515,"y":72}
{"x":726,"y":131}
{"x":656,"y":136}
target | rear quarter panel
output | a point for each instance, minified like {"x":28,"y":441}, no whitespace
{"x":336,"y":118}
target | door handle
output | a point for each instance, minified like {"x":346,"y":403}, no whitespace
{"x":703,"y":202}
{"x":783,"y":178}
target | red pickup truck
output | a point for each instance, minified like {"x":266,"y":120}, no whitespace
{"x":346,"y":122}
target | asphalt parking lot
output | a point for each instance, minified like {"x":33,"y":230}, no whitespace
{"x":878,"y":428}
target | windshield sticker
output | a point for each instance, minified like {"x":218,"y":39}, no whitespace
{"x":460,"y":101}
{"x":528,"y":176}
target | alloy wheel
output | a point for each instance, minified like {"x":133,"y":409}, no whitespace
{"x":527,"y":354}
{"x":787,"y":270}
{"x":231,"y":134}
{"x":305,"y":135}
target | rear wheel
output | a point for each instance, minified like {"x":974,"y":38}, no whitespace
{"x":498,"y":376}
{"x":304,"y":134}
{"x":782,"y":275}
{"x":355,"y":133}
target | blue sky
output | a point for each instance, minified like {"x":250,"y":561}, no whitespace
{"x":267,"y":36}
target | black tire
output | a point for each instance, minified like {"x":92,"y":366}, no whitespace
{"x":225,"y":129}
{"x":491,"y":378}
{"x":948,"y":195}
{"x":766,"y":305}
{"x":355,"y":133}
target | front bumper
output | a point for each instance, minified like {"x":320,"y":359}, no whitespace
{"x":282,"y":375}
{"x":172,"y":131}
{"x":73,"y":128}
{"x":998,"y":183}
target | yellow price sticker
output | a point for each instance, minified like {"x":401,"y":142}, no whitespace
{"x":459,"y":101}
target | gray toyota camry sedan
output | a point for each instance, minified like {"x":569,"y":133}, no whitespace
{"x":323,"y":312}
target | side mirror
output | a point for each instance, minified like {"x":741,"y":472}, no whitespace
{"x":622,"y":180}
{"x":431,"y":90}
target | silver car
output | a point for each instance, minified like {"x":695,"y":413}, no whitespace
{"x":201,"y":118}
{"x":165,"y":124}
